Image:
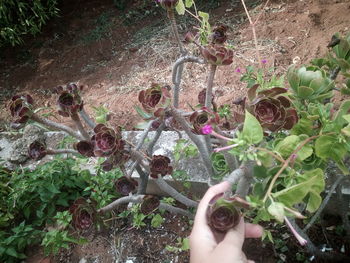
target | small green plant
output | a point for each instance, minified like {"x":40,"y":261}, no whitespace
{"x":265,"y":78}
{"x":183,"y":244}
{"x":55,"y":240}
{"x":157,"y":220}
{"x":101,"y":114}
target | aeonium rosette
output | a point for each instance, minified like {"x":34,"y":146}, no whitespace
{"x":106,"y":141}
{"x":21,"y":109}
{"x":83,"y":214}
{"x":149,"y":204}
{"x":37,"y":150}
{"x":272,"y":108}
{"x":203,"y":117}
{"x":224,"y":213}
{"x":155,"y":99}
{"x":160,"y":165}
{"x":218,"y":35}
{"x":217,"y":55}
{"x":125,"y":185}
{"x":69,"y":101}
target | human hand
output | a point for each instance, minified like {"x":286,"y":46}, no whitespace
{"x":211,"y":247}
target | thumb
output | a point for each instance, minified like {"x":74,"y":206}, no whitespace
{"x":235,"y":236}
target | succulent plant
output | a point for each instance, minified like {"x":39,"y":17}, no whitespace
{"x":83,"y":214}
{"x":106,"y":141}
{"x":160,"y":165}
{"x":201,"y":118}
{"x":85,"y":148}
{"x":217,"y":55}
{"x":341,"y":48}
{"x":310,"y":83}
{"x":155,"y":99}
{"x":69,"y":101}
{"x":218,"y":35}
{"x":37,"y":150}
{"x":272,"y":109}
{"x":118,"y":158}
{"x":21,"y":109}
{"x":125,"y":185}
{"x":224,"y":213}
{"x":167,"y":4}
{"x":219,"y":164}
{"x":149,"y":204}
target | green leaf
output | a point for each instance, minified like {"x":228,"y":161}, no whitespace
{"x":343,"y":110}
{"x":252,"y":130}
{"x":276,"y":209}
{"x":311,"y":184}
{"x":157,"y":221}
{"x":204,"y":16}
{"x":293,"y":80}
{"x":304,"y":126}
{"x":304,"y":92}
{"x":180,"y":7}
{"x":290,"y":143}
{"x":189,"y":3}
{"x":328,"y":146}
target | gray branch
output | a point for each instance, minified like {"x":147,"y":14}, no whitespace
{"x":56,"y":126}
{"x":143,"y":180}
{"x":87,"y":119}
{"x":155,"y":139}
{"x":80,"y":127}
{"x":177,"y":75}
{"x":175,"y":210}
{"x":209,"y":92}
{"x":175,"y":194}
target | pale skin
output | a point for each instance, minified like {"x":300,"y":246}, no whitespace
{"x":209,"y":247}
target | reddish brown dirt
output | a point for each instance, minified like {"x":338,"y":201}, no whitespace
{"x":113,"y":68}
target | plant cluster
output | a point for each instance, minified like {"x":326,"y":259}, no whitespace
{"x":272,"y":153}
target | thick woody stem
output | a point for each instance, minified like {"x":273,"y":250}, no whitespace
{"x":143,"y":180}
{"x":324,"y":202}
{"x":138,"y":199}
{"x":204,"y":152}
{"x":175,"y":194}
{"x":177,"y":72}
{"x":87,"y":119}
{"x":56,"y":126}
{"x":175,"y":210}
{"x":80,"y":127}
{"x":209,"y":92}
{"x":155,"y":139}
{"x":234,"y":177}
{"x":60,"y":151}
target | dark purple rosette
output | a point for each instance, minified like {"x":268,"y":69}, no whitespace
{"x":272,"y":108}
{"x":37,"y":150}
{"x":69,"y":100}
{"x":218,"y":35}
{"x":85,"y":148}
{"x":149,"y":204}
{"x":21,"y":109}
{"x":217,"y":55}
{"x":202,"y":95}
{"x":224,"y":213}
{"x":155,"y":100}
{"x":160,"y":165}
{"x":167,"y":4}
{"x":201,"y":118}
{"x":106,"y":141}
{"x":83,"y":214}
{"x":125,"y":185}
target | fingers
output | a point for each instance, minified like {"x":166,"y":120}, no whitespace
{"x":253,"y":231}
{"x":235,"y":236}
{"x":203,"y":205}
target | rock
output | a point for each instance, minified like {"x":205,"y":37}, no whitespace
{"x":18,"y":154}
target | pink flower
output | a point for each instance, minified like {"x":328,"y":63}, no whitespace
{"x":207,"y":129}
{"x":238,"y":70}
{"x":301,"y":240}
{"x":264,"y":61}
